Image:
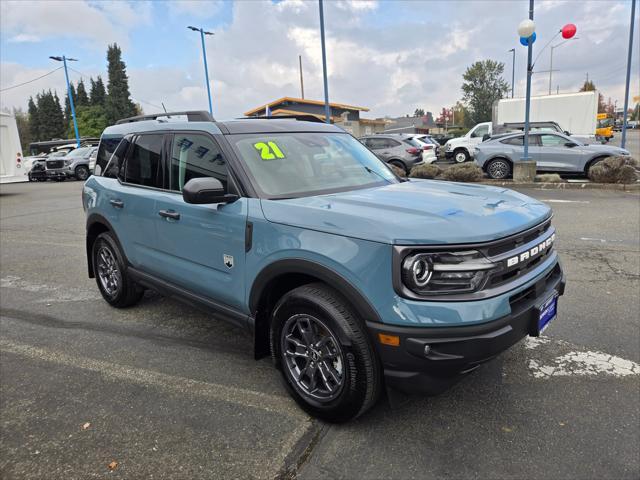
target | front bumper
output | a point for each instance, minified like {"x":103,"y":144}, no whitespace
{"x":448,"y":154}
{"x":59,"y":173}
{"x":454,"y":351}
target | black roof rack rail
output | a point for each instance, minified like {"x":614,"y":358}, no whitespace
{"x":300,"y":118}
{"x":192,"y":116}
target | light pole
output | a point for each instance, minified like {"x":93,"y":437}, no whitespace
{"x":327,"y":110}
{"x":551,"y":59}
{"x":626,"y":89}
{"x":64,"y":60}
{"x":513,"y":69}
{"x":204,"y":56}
{"x":526,"y":29}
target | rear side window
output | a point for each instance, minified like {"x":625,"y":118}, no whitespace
{"x":390,"y":143}
{"x":513,"y":141}
{"x":107,"y":146}
{"x":112,"y":169}
{"x":143,"y":165}
{"x":196,"y":156}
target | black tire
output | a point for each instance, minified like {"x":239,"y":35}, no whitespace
{"x":400,"y":164}
{"x":499,"y":169}
{"x":111,"y":274}
{"x":591,"y":165}
{"x":29,"y":177}
{"x":346,"y":354}
{"x":82,"y":173}
{"x":460,"y":155}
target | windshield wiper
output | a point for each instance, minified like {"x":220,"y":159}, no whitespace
{"x":371,"y":170}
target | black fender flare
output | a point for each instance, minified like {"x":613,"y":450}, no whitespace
{"x":93,"y":219}
{"x":313,"y":269}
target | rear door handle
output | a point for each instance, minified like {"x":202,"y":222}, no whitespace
{"x":169,"y":214}
{"x":117,"y":203}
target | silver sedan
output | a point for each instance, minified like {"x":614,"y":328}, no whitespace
{"x":553,"y":152}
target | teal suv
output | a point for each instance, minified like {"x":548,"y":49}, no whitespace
{"x":353,"y":280}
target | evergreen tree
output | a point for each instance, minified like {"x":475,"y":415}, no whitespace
{"x":118,"y":104}
{"x":67,"y":105}
{"x":81,"y":97}
{"x":98,"y":93}
{"x":34,"y":120}
{"x":57,"y":119}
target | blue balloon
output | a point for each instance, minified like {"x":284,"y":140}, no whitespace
{"x":525,"y":41}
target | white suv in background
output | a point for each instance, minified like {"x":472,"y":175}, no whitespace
{"x":429,"y":150}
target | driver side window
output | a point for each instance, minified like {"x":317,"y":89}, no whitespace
{"x":552,"y":141}
{"x":481,"y":131}
{"x":196,"y":156}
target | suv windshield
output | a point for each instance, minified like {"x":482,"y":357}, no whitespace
{"x":283,"y":165}
{"x":79,"y":152}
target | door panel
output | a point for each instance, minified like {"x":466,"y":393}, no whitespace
{"x":202,"y":250}
{"x":555,"y":156}
{"x":132,"y":198}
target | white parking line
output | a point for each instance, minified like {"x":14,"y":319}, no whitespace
{"x":113,"y":371}
{"x":554,"y":200}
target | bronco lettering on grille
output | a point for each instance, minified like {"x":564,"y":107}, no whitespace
{"x":532,"y":252}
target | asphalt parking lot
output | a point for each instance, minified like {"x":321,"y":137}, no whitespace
{"x":163,"y":391}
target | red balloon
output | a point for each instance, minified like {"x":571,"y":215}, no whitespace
{"x":568,"y":31}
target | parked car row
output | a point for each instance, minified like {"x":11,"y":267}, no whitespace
{"x":403,"y":150}
{"x":62,"y":164}
{"x":553,"y":152}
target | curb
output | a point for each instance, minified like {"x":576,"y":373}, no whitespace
{"x":631,"y":187}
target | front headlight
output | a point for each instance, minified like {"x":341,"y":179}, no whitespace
{"x":440,"y":273}
{"x":68,"y":162}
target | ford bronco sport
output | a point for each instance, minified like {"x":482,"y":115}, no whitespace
{"x":351,"y":278}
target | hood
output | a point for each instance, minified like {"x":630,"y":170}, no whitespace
{"x":415,"y":212}
{"x":610,"y":149}
{"x":456,"y":141}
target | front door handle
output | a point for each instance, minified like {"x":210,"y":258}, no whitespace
{"x":117,"y":203}
{"x":169,"y":214}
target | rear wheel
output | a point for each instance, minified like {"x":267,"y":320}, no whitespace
{"x":461,"y":155}
{"x":499,"y":169}
{"x":111,"y":275}
{"x":321,"y":347}
{"x":82,"y":173}
{"x":399,"y":164}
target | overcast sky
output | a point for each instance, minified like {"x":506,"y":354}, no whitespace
{"x":389,"y":56}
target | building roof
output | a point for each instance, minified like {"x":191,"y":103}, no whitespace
{"x":282,"y":111}
{"x":304,"y":100}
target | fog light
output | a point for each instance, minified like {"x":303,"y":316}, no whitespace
{"x":427,"y":350}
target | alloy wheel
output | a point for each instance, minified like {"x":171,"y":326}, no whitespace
{"x":313,"y":357}
{"x":108,"y":271}
{"x":498,"y":169}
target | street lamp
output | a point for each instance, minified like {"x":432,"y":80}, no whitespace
{"x":526,"y":29}
{"x":327,"y":110}
{"x":513,"y":69}
{"x":204,"y":56}
{"x":551,"y":60}
{"x":64,"y":60}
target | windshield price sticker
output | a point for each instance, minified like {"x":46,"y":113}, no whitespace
{"x":268,"y":150}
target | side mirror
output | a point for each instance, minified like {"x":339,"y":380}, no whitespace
{"x":569,"y":144}
{"x":566,"y":132}
{"x":486,"y":137}
{"x":206,"y":190}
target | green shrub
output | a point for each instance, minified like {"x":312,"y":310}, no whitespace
{"x":397,"y":170}
{"x":425,"y":171}
{"x":614,"y":170}
{"x":465,"y":172}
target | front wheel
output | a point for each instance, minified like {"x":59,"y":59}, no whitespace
{"x":461,"y":156}
{"x":82,"y":173}
{"x":498,"y":169}
{"x":111,"y":275}
{"x":322,"y":349}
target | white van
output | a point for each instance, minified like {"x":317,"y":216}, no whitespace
{"x":11,"y":165}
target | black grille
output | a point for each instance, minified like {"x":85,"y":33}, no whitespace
{"x":500,"y":278}
{"x":516,"y":241}
{"x":55,"y":164}
{"x":520,"y":300}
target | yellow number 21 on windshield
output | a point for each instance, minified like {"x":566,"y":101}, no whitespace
{"x":269,"y":150}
